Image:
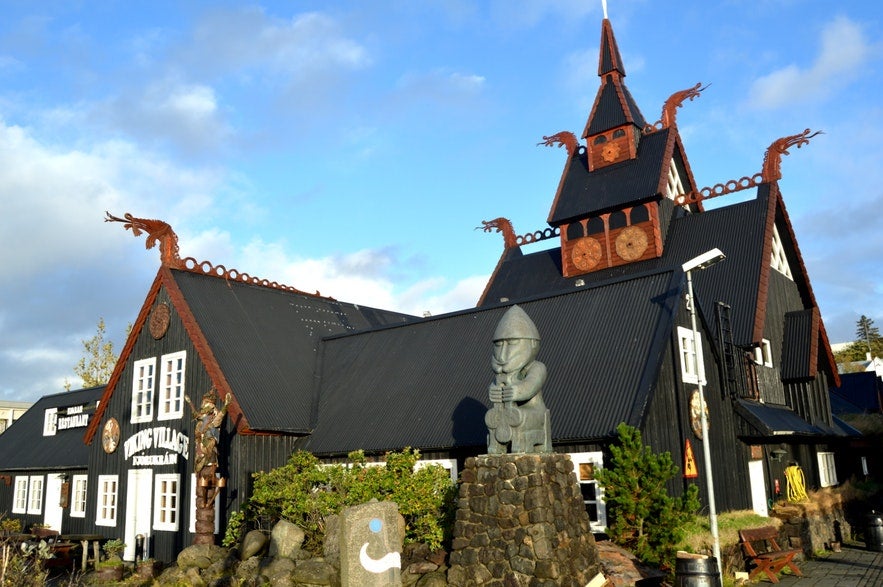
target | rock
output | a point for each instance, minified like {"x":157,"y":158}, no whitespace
{"x":253,"y":544}
{"x":286,"y":540}
{"x":280,"y":572}
{"x":434,"y":579}
{"x":315,"y":572}
{"x":200,"y":556}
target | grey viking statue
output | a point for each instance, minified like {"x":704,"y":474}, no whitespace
{"x":518,"y":421}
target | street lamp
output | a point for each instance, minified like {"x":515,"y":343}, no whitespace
{"x":699,"y":263}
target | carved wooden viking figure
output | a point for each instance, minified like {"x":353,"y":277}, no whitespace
{"x":205,"y":462}
{"x":518,"y":419}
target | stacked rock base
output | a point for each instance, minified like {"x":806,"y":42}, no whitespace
{"x":521,"y":521}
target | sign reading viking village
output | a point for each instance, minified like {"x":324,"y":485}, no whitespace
{"x":160,"y":438}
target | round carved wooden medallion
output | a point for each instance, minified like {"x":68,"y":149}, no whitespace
{"x":110,"y":436}
{"x":610,"y":152}
{"x":586,"y":253}
{"x":159,"y":320}
{"x":631,"y":243}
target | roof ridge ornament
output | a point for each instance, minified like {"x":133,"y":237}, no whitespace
{"x":771,"y":171}
{"x":510,"y":239}
{"x":157,"y":230}
{"x":565,"y":138}
{"x":670,"y":107}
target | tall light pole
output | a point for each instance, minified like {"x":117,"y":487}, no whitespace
{"x":704,"y":261}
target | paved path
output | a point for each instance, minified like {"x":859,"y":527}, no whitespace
{"x":854,"y":566}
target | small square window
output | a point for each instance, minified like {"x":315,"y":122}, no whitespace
{"x":166,"y":495}
{"x":20,"y":496}
{"x":143,"y":384}
{"x":689,"y":356}
{"x":763,"y":354}
{"x":78,"y":496}
{"x":35,"y":495}
{"x":106,"y":510}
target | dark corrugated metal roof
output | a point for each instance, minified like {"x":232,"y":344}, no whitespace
{"x":796,"y":345}
{"x":23,"y":446}
{"x":426,"y":385}
{"x":265,"y":340}
{"x":636,"y":180}
{"x":845,"y":429}
{"x":776,"y":420}
{"x":737,"y":230}
{"x":863,"y":390}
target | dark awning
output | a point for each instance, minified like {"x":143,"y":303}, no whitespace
{"x":778,"y":420}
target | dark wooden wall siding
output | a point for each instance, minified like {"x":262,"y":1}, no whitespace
{"x":69,"y":525}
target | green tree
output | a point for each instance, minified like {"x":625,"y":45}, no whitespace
{"x":867,"y":340}
{"x":646,"y":519}
{"x":98,"y":360}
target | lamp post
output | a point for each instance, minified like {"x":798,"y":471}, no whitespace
{"x":704,"y":261}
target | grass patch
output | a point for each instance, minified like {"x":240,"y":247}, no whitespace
{"x":698,"y":530}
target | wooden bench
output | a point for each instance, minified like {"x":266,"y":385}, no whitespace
{"x":764,"y":553}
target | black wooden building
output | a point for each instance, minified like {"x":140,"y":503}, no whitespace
{"x":605,"y":286}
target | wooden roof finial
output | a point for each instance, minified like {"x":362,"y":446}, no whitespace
{"x":772,"y":159}
{"x":501,"y":225}
{"x":156,"y":230}
{"x":675,"y":101}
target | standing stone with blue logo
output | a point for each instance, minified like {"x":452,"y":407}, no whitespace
{"x":371,"y":545}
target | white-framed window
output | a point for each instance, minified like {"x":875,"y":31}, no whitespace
{"x":584,"y":465}
{"x":192,"y":527}
{"x":778,"y":260}
{"x":674,"y":186}
{"x":106,"y":509}
{"x":142,"y":390}
{"x":78,"y":495}
{"x":35,"y":495}
{"x":827,"y":469}
{"x":763,"y":354}
{"x":688,"y":353}
{"x":450,"y":465}
{"x":166,"y":496}
{"x":50,"y":421}
{"x":20,"y":496}
{"x":171,"y":386}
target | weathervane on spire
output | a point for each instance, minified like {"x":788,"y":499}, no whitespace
{"x":156,"y":230}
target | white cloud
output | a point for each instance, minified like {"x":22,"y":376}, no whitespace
{"x":842,"y":55}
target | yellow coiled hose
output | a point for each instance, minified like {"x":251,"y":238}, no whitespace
{"x":795,"y":483}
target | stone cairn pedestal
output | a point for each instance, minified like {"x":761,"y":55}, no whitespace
{"x":521,"y":521}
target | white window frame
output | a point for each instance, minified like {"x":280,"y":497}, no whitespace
{"x":763,"y":354}
{"x":143,"y":388}
{"x":687,"y":350}
{"x":166,"y":501}
{"x":20,"y":495}
{"x":107,"y":500}
{"x":50,"y":421}
{"x":596,"y":460}
{"x":778,"y":259}
{"x":35,"y":494}
{"x":827,"y":469}
{"x":171,"y":386}
{"x":79,"y":486}
{"x":192,"y":527}
{"x":450,"y":465}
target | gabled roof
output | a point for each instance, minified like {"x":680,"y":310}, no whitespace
{"x":862,"y":390}
{"x":581,"y":192}
{"x":257,"y":343}
{"x":23,"y":446}
{"x":426,"y":384}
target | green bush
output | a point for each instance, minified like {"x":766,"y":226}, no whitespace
{"x":305,"y":492}
{"x":646,"y":519}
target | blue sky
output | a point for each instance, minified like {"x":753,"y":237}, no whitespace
{"x":353,"y":147}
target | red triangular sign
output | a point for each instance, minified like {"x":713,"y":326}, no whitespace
{"x":690,"y":471}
